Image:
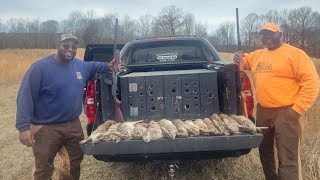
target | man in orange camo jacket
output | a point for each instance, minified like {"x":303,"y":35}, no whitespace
{"x":287,"y":84}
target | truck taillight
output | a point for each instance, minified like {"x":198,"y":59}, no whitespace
{"x":248,"y":93}
{"x":90,"y":101}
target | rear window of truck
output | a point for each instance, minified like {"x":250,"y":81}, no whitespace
{"x":163,"y":52}
{"x":103,"y":56}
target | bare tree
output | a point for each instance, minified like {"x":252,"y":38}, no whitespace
{"x":91,"y":14}
{"x":249,"y":30}
{"x":200,"y":30}
{"x":145,"y":25}
{"x":301,"y":21}
{"x":127,"y":29}
{"x":171,"y":18}
{"x":159,"y":28}
{"x":272,"y":16}
{"x":64,"y":26}
{"x":225,"y":34}
{"x":285,"y":25}
{"x":49,"y":26}
{"x":90,"y":32}
{"x":300,"y":27}
{"x":33,"y":26}
{"x":3,"y":27}
{"x":189,"y":23}
{"x":73,"y":23}
{"x":312,"y":38}
{"x":33,"y":29}
{"x":16,"y":25}
{"x":107,"y":27}
{"x":17,"y":29}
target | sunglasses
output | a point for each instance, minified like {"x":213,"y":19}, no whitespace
{"x":266,"y":36}
{"x":68,"y":46}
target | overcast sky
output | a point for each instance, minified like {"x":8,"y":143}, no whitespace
{"x":209,"y":12}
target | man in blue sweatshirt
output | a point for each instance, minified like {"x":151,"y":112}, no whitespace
{"x":49,"y":103}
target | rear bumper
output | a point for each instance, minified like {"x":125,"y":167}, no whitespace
{"x":161,"y":147}
{"x":199,"y":155}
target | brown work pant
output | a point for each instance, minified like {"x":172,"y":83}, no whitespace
{"x":60,"y":138}
{"x":284,"y":138}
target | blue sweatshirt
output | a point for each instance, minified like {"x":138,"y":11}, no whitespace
{"x":52,"y":91}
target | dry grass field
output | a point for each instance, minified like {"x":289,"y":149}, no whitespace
{"x":16,"y":159}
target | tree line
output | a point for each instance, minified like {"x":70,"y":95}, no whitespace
{"x":301,"y":28}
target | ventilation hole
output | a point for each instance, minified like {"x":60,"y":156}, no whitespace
{"x":130,"y":105}
{"x":173,"y":91}
{"x":187,"y":106}
{"x":195,"y":98}
{"x":151,"y":92}
{"x":151,"y":100}
{"x":187,"y":91}
{"x":141,"y":107}
{"x":186,"y":84}
{"x":141,"y":94}
{"x":196,"y":105}
{"x":151,"y":86}
{"x":195,"y":91}
{"x":141,"y":100}
{"x":187,"y":98}
{"x":195,"y":84}
{"x":210,"y":95}
{"x":153,"y":108}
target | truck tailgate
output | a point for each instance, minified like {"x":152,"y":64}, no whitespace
{"x":178,"y":145}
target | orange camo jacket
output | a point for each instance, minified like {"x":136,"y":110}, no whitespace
{"x":283,"y":77}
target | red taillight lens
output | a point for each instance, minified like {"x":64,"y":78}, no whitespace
{"x":90,"y":101}
{"x":248,"y":93}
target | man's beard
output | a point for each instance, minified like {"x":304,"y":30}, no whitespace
{"x":63,"y":57}
{"x":273,"y":45}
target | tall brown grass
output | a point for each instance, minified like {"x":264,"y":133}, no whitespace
{"x":15,"y":62}
{"x":311,"y":145}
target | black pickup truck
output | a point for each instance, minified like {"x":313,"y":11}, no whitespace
{"x":172,"y":78}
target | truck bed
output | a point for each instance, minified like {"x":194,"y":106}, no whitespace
{"x":166,"y":149}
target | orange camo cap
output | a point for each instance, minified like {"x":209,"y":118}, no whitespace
{"x":271,"y":27}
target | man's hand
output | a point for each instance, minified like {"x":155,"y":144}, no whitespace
{"x":26,"y":138}
{"x":237,"y":58}
{"x":111,"y":64}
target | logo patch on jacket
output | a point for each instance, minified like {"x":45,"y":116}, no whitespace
{"x":79,"y":76}
{"x":264,"y":67}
